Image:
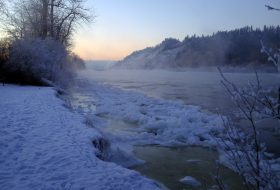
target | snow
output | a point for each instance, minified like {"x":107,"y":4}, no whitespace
{"x":188,"y":180}
{"x":156,"y":121}
{"x":45,"y":146}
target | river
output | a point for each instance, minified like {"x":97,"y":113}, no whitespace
{"x":169,"y":164}
{"x":190,"y":87}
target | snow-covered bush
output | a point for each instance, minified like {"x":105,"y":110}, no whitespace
{"x":245,"y":154}
{"x":35,"y":59}
{"x":243,"y":150}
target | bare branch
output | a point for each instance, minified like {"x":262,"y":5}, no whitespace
{"x":243,"y":148}
{"x":270,"y":8}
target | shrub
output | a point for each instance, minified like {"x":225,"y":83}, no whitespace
{"x":32,"y":60}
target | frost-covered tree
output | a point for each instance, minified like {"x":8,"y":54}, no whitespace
{"x":64,"y":16}
{"x":56,"y":19}
{"x":243,"y":149}
{"x":40,"y":34}
{"x":39,"y":59}
{"x":274,"y":57}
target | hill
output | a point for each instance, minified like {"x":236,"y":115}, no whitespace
{"x":236,"y":48}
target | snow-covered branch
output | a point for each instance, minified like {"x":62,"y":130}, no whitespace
{"x":243,"y":149}
{"x":270,"y":8}
{"x":273,"y":57}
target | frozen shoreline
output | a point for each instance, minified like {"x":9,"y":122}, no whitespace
{"x":156,"y":121}
{"x":132,"y":118}
{"x":45,"y":146}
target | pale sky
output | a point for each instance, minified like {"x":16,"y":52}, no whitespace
{"x":123,"y":26}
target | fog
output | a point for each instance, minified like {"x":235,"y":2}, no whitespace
{"x":201,"y":88}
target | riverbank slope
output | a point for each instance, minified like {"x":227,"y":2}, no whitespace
{"x":45,"y":146}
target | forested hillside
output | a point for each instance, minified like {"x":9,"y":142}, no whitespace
{"x":236,"y":48}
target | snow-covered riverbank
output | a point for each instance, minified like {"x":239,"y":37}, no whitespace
{"x":45,"y":146}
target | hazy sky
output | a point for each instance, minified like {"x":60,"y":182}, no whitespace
{"x":123,"y":26}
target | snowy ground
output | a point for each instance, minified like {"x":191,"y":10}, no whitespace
{"x":45,"y":146}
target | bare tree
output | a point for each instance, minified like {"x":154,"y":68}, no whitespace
{"x":56,"y":19}
{"x":243,"y":148}
{"x":40,"y":32}
{"x":23,"y":19}
{"x":44,"y":22}
{"x":65,"y":15}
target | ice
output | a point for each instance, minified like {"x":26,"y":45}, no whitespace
{"x":188,"y":180}
{"x":45,"y":146}
{"x":158,"y":121}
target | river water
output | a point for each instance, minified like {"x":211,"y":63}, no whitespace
{"x":169,"y":165}
{"x":165,"y":164}
{"x":190,"y":87}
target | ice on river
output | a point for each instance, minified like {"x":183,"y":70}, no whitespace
{"x":157,"y":121}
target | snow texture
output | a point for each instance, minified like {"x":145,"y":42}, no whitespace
{"x":157,"y":121}
{"x":45,"y":146}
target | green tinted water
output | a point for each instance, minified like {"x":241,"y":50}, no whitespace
{"x":169,"y":165}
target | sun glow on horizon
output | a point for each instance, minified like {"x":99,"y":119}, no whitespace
{"x":96,"y":45}
{"x":122,"y":27}
{"x":91,"y":52}
{"x":95,"y":50}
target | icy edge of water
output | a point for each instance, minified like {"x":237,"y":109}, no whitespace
{"x":161,"y":122}
{"x":45,"y":146}
{"x":158,"y":121}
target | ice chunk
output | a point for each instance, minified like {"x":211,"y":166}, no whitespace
{"x":188,"y":180}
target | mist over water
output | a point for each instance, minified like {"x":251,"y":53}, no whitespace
{"x":190,"y":87}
